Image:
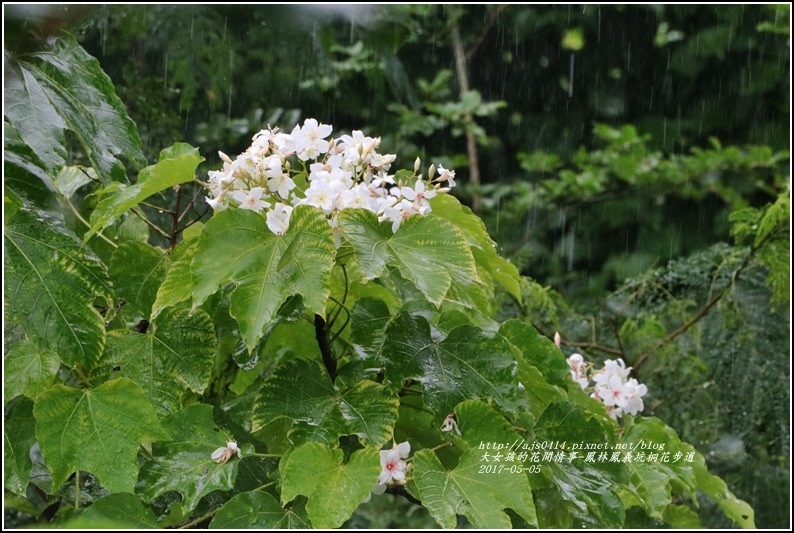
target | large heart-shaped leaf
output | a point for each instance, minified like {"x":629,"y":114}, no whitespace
{"x":259,"y":510}
{"x":479,"y":487}
{"x":52,"y":282}
{"x":174,"y":355}
{"x":65,"y":88}
{"x":428,"y":251}
{"x":302,"y":391}
{"x":236,"y":246}
{"x":97,"y":430}
{"x":334,"y":490}
{"x":467,"y":364}
{"x":185,"y":464}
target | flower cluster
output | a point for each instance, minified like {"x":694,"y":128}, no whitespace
{"x":331,"y":174}
{"x":612,"y":384}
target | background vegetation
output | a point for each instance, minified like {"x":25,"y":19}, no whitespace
{"x":630,"y":160}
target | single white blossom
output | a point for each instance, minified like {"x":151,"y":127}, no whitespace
{"x":221,"y":455}
{"x":392,"y":464}
{"x":451,"y":424}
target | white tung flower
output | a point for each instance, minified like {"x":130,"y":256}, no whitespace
{"x":392,"y":464}
{"x":221,"y":455}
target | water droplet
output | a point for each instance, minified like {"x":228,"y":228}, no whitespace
{"x":159,"y":210}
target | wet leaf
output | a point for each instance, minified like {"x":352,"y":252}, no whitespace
{"x":86,"y":430}
{"x":51,"y":283}
{"x":137,"y":270}
{"x":116,"y":511}
{"x":467,"y":364}
{"x":19,"y":429}
{"x":185,"y":464}
{"x":302,"y":391}
{"x":236,"y":246}
{"x":471,"y":488}
{"x":259,"y":510}
{"x":29,"y":370}
{"x":334,"y":490}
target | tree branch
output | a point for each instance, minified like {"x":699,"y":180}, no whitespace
{"x":321,"y":334}
{"x":471,"y":142}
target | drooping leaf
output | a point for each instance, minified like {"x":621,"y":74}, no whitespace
{"x":482,"y":246}
{"x":178,"y":280}
{"x":334,"y":490}
{"x":538,"y":351}
{"x":174,"y":355}
{"x":29,"y":370}
{"x":52,"y":282}
{"x":137,"y":270}
{"x":65,"y":88}
{"x":115,"y":511}
{"x":368,"y":320}
{"x":71,"y":178}
{"x":680,"y":467}
{"x":176,"y":165}
{"x":96,"y":430}
{"x":428,"y":251}
{"x":467,"y":364}
{"x":185,"y":464}
{"x":588,"y":493}
{"x":479,"y":493}
{"x":566,"y":421}
{"x":302,"y":391}
{"x":259,"y":510}
{"x":19,"y":435}
{"x":236,"y":246}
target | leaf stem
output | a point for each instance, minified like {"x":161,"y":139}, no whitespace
{"x":84,"y":221}
{"x":200,"y":519}
{"x":77,"y":489}
{"x":264,"y":455}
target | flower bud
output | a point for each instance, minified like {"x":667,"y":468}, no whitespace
{"x":557,"y":339}
{"x":431,"y":172}
{"x":224,"y":157}
{"x":416,"y":165}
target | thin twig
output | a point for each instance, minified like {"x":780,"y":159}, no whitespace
{"x":84,"y":221}
{"x":151,"y":225}
{"x":486,"y":29}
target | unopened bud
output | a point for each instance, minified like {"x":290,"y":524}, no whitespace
{"x":225,"y":157}
{"x":416,"y":165}
{"x":557,"y":339}
{"x":431,"y":172}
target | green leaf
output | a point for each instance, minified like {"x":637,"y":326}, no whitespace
{"x":428,"y":251}
{"x":467,"y":364}
{"x":258,"y":510}
{"x":115,"y":511}
{"x":185,"y":463}
{"x":468,"y":489}
{"x":65,"y":88}
{"x":52,"y":282}
{"x":588,"y":493}
{"x":302,"y":391}
{"x":236,"y":246}
{"x":29,"y":370}
{"x":178,"y":280}
{"x":96,"y":430}
{"x":174,"y":355}
{"x":177,"y":165}
{"x":137,"y":270}
{"x":334,"y":490}
{"x":538,"y":351}
{"x":368,"y":320}
{"x":71,"y":178}
{"x":36,"y":120}
{"x":483,"y":248}
{"x":19,"y":429}
{"x":568,"y":422}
